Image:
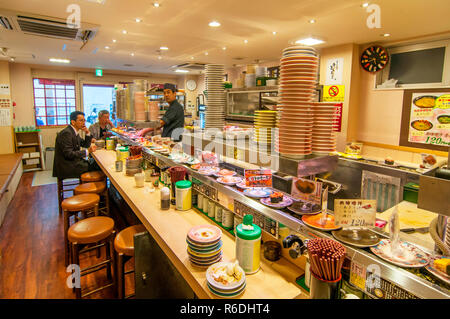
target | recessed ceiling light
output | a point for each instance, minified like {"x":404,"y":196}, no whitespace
{"x":386,"y":35}
{"x":124,"y":31}
{"x":137,"y":20}
{"x":159,"y":57}
{"x":365,"y":5}
{"x":224,"y":48}
{"x":214,"y":24}
{"x":114,"y":40}
{"x":107,"y":47}
{"x":164,"y":48}
{"x":12,"y":59}
{"x":156,"y":4}
{"x":309,"y":41}
{"x":274,"y":32}
{"x":181,"y":71}
{"x":132,"y":54}
{"x":55,"y":60}
{"x":206,"y":53}
{"x":312,"y":21}
{"x":192,"y":58}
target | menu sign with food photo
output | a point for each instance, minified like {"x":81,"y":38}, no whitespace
{"x":307,"y":190}
{"x":355,"y":213}
{"x":258,"y":178}
{"x":430,"y":119}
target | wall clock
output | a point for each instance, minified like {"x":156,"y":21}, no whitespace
{"x":191,"y":85}
{"x":374,"y":58}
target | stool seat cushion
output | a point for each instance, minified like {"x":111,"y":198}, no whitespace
{"x":124,"y":241}
{"x":91,"y":187}
{"x":95,"y":176}
{"x":80,"y":202}
{"x":91,"y":230}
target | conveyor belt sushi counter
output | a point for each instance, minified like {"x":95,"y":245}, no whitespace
{"x":294,"y":245}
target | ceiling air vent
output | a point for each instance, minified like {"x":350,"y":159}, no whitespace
{"x":192,"y":66}
{"x":6,"y":23}
{"x":46,"y":27}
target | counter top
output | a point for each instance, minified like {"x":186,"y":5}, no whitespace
{"x":169,"y":229}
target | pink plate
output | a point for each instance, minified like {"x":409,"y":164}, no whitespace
{"x":204,"y":233}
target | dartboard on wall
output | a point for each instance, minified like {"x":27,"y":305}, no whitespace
{"x":374,"y":58}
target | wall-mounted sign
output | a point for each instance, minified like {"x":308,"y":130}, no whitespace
{"x":98,"y":72}
{"x":335,"y":68}
{"x":333,"y":93}
{"x":429,"y":121}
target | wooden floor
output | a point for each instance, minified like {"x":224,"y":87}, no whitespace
{"x":32,"y":249}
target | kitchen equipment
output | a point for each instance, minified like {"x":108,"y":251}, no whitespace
{"x":411,"y":192}
{"x":227,"y":219}
{"x":361,"y":238}
{"x":211,"y":209}
{"x":296,"y":245}
{"x":200,"y":201}
{"x":324,"y":289}
{"x":248,"y":245}
{"x":215,"y":97}
{"x":183,"y":195}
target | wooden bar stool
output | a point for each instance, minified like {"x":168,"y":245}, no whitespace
{"x":71,"y":206}
{"x":124,"y":251}
{"x":100,"y":230}
{"x":98,"y":188}
{"x":94,"y":176}
{"x":64,"y":187}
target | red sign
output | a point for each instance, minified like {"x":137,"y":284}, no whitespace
{"x":258,"y":177}
{"x":333,"y":91}
{"x":337,"y":125}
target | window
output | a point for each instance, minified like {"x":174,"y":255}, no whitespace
{"x":418,"y":65}
{"x":54,"y":100}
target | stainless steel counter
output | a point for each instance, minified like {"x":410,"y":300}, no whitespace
{"x":396,"y":276}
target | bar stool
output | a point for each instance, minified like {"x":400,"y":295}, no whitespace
{"x":98,"y":188}
{"x":98,"y":229}
{"x":94,"y":176}
{"x":124,"y":251}
{"x":64,"y":187}
{"x":71,"y":206}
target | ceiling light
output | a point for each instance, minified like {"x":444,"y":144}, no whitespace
{"x":206,"y":53}
{"x":138,"y":20}
{"x":55,"y":60}
{"x":386,"y":35}
{"x":224,"y":48}
{"x":192,"y":58}
{"x":156,"y":4}
{"x":159,"y":57}
{"x":312,"y":21}
{"x":181,"y":71}
{"x":107,"y":47}
{"x":245,"y":41}
{"x":274,"y":32}
{"x":365,"y":5}
{"x":214,"y":24}
{"x":309,"y":41}
{"x":132,"y":54}
{"x":13,"y":59}
{"x":124,"y":31}
{"x":164,"y":48}
{"x":114,"y":40}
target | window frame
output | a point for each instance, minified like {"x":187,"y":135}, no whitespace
{"x":65,"y":82}
{"x":383,"y":75}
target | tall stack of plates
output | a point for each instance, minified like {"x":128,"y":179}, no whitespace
{"x":204,"y":245}
{"x":215,"y":100}
{"x":264,"y":123}
{"x":223,"y":285}
{"x":298,"y":80}
{"x":323,"y":136}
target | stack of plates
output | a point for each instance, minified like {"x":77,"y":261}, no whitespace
{"x":215,"y":111}
{"x":298,"y":79}
{"x":223,"y":285}
{"x":264,"y":123}
{"x":204,"y":245}
{"x":323,"y":137}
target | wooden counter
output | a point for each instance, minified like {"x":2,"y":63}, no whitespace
{"x":169,"y":229}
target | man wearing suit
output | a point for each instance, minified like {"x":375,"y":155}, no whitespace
{"x":70,"y":161}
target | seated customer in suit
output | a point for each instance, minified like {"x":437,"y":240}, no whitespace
{"x":70,"y":161}
{"x":99,"y":129}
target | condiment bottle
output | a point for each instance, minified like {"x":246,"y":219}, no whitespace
{"x":165,"y":198}
{"x":248,"y":245}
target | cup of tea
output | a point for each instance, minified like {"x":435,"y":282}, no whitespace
{"x":139,"y":179}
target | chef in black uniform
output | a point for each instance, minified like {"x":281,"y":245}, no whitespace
{"x":173,"y":120}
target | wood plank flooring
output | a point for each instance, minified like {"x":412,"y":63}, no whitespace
{"x":32,"y":249}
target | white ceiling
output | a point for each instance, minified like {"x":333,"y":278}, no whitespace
{"x":182,"y":25}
